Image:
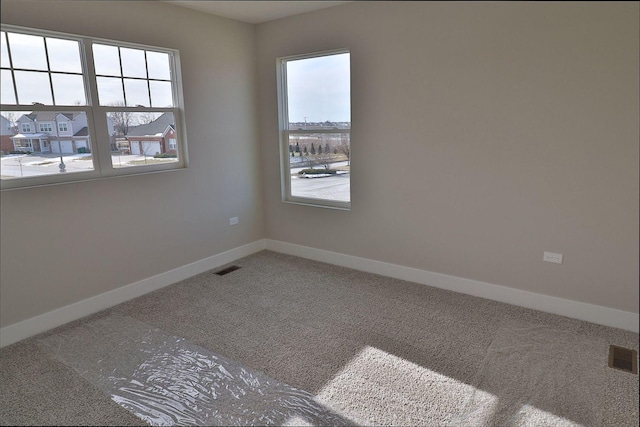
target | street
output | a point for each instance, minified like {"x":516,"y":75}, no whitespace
{"x":334,"y":187}
{"x":22,"y":165}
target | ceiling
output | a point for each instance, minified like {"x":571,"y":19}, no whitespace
{"x":255,"y":12}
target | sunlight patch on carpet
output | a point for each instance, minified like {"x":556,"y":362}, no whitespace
{"x":414,"y":394}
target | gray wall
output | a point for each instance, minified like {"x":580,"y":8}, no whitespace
{"x":65,"y":243}
{"x":483,"y":134}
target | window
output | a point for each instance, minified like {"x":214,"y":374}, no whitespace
{"x":172,"y":144}
{"x":315,"y":128}
{"x":86,"y":97}
{"x":23,"y":143}
{"x":45,"y":127}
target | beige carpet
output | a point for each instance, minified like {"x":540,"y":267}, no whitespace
{"x":368,"y":349}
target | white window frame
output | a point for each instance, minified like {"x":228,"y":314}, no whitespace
{"x":100,"y":143}
{"x":25,"y":143}
{"x":285,"y":132}
{"x":25,"y":128}
{"x":63,"y":127}
{"x":45,"y":127}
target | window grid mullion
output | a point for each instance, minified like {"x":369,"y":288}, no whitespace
{"x":46,"y":57}
{"x":71,"y":73}
{"x":146,"y":71}
{"x":13,"y":77}
{"x":100,"y":162}
{"x":124,"y":92}
{"x":96,"y":115}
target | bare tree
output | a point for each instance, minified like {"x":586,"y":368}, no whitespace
{"x":323,"y":159}
{"x":11,"y":116}
{"x":345,"y":148}
{"x":146,"y":118}
{"x":145,"y":150}
{"x":122,"y":120}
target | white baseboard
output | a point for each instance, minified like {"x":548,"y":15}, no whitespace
{"x":44,"y":322}
{"x":564,"y":307}
{"x":574,"y":309}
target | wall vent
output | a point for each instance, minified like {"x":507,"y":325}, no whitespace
{"x":227,"y":270}
{"x":623,"y":358}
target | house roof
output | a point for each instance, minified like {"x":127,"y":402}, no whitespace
{"x":30,"y":136}
{"x":155,"y":128}
{"x":82,"y":132}
{"x":49,"y":115}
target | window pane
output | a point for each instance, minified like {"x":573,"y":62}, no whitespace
{"x":106,"y":60}
{"x":3,"y":48}
{"x":64,"y":55}
{"x":318,"y":99}
{"x":318,"y":89}
{"x":137,"y":92}
{"x":33,"y":87}
{"x":38,"y":149}
{"x":44,"y":70}
{"x":6,"y":90}
{"x":158,"y":64}
{"x":68,"y":89}
{"x":161,"y":94}
{"x":319,"y":166}
{"x":110,"y":91}
{"x":133,"y":64}
{"x":27,"y":51}
{"x":143,"y":139}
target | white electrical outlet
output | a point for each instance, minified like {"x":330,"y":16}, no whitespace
{"x":233,"y":221}
{"x":552,"y":257}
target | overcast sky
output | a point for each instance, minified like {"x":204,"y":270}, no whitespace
{"x":28,"y":53}
{"x":319,"y":89}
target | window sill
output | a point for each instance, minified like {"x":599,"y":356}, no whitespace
{"x":96,"y":178}
{"x":316,"y":204}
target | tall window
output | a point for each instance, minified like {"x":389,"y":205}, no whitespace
{"x":315,"y":128}
{"x":93,"y":94}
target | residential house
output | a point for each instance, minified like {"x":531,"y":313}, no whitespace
{"x":53,"y":132}
{"x":6,"y":132}
{"x":157,"y":137}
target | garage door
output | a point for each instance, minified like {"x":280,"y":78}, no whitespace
{"x":65,"y":146}
{"x":135,"y":147}
{"x":149,"y":148}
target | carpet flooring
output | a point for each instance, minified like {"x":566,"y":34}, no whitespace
{"x":329,"y":344}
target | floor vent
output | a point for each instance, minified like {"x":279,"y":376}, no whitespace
{"x":623,"y":358}
{"x":227,"y":270}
